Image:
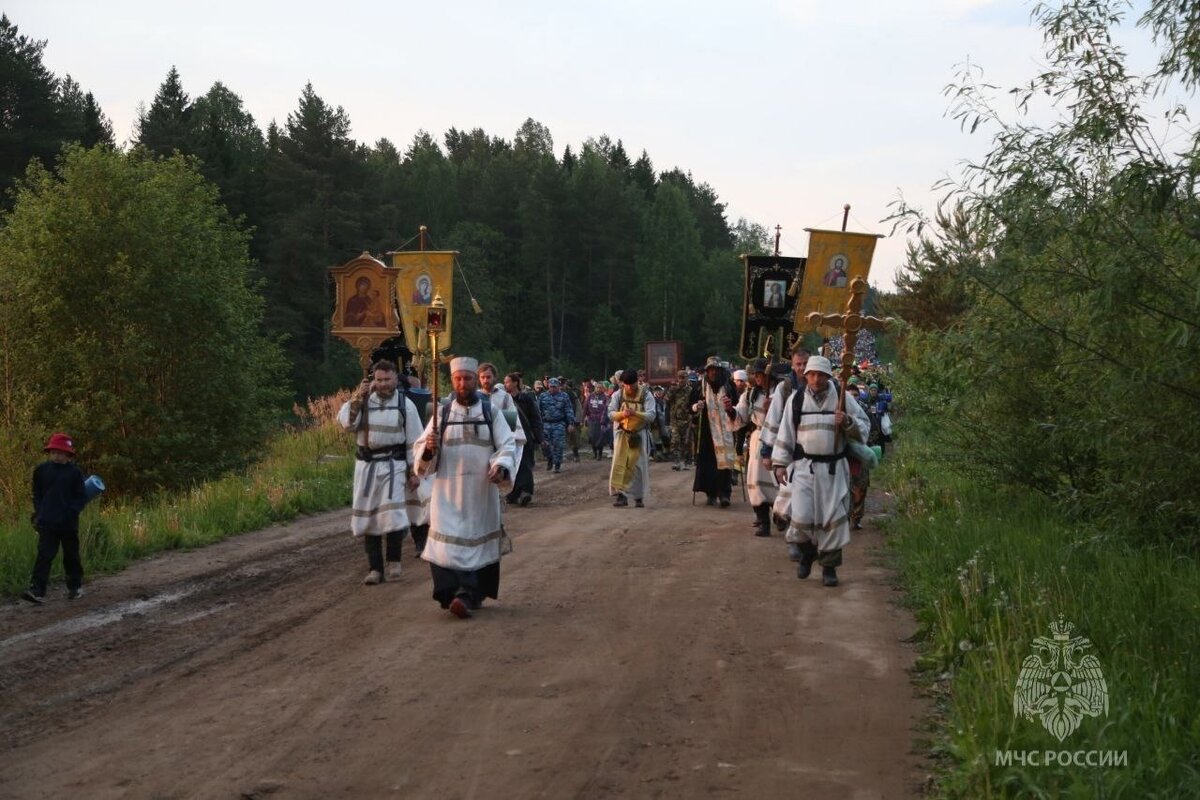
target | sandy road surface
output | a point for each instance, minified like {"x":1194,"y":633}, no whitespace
{"x":658,"y":652}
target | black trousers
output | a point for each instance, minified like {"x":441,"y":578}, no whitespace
{"x":374,"y":547}
{"x":420,"y":535}
{"x":523,"y":482}
{"x":48,"y":544}
{"x":473,"y":586}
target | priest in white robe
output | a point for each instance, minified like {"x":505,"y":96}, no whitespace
{"x":471,"y":462}
{"x":386,"y":427}
{"x":809,"y":456}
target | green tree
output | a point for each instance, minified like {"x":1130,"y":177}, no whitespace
{"x":1067,"y":283}
{"x":606,"y":337}
{"x":32,"y":121}
{"x":314,"y":174}
{"x":83,"y":118}
{"x":223,"y":135}
{"x":141,"y":330}
{"x":165,"y":127}
{"x":667,"y":261}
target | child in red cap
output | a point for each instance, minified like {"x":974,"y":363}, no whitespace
{"x":58,"y":498}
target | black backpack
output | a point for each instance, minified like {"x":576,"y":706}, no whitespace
{"x":487,"y":419}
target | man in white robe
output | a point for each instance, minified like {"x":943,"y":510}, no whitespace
{"x":418,"y":498}
{"x":631,"y":410}
{"x":470,"y":462}
{"x":784,"y":387}
{"x":752,"y":408}
{"x":502,"y":402}
{"x":810,"y":457}
{"x":386,"y":426}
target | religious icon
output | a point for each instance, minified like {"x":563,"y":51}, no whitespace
{"x":422,"y":290}
{"x":773,"y":292}
{"x":663,"y":361}
{"x":835,"y":276}
{"x":364,"y":309}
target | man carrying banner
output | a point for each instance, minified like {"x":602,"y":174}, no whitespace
{"x":809,"y":456}
{"x":386,"y":426}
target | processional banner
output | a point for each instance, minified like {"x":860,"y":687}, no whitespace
{"x":835,"y":259}
{"x":363,"y":314}
{"x":769,"y":301}
{"x":420,"y":276}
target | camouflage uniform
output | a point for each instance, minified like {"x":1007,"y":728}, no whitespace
{"x":679,"y":413}
{"x":557,"y":413}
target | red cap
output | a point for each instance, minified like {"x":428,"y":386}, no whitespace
{"x":60,"y":441}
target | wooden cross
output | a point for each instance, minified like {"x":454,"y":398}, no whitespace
{"x":851,"y":323}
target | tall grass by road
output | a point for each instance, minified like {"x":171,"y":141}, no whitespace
{"x":988,"y":570}
{"x":295,"y":476}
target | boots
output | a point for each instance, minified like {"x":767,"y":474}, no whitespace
{"x":762,"y":525}
{"x":808,"y":554}
{"x":829,"y":576}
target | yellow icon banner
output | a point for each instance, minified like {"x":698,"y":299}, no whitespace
{"x":420,"y":276}
{"x":835,"y":259}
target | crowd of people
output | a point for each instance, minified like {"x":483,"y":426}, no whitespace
{"x":800,"y":444}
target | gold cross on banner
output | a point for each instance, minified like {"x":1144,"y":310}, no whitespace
{"x":850,"y":323}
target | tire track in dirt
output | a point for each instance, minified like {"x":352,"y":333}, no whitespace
{"x":657,"y":652}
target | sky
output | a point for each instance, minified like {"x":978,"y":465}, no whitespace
{"x":789,"y":110}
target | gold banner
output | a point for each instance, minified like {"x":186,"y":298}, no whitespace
{"x":420,"y":275}
{"x":835,"y":258}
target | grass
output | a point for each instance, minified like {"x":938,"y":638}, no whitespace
{"x":291,"y":479}
{"x":987,"y":570}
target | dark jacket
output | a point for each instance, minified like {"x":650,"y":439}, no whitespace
{"x":58,"y":496}
{"x":531,"y":417}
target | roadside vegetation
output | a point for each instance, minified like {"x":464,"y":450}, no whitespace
{"x":1050,"y":371}
{"x":304,"y":469}
{"x":987,"y":570}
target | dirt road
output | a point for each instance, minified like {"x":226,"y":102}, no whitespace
{"x":657,"y":652}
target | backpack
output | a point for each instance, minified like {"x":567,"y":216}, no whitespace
{"x":365,"y":453}
{"x":487,"y":419}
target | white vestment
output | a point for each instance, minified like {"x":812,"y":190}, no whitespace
{"x":760,"y":481}
{"x":770,"y":430}
{"x":819,"y":510}
{"x":382,"y":462}
{"x":503,"y":401}
{"x":464,"y":519}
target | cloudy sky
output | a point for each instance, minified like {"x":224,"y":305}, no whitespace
{"x":788,"y":109}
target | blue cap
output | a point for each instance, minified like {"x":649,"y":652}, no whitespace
{"x":554,"y":381}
